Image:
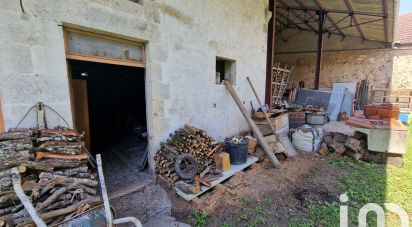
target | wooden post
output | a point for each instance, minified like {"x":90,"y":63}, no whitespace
{"x":252,"y":124}
{"x":270,"y":52}
{"x":2,"y":129}
{"x":321,"y":15}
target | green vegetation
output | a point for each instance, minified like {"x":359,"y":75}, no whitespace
{"x":362,"y":182}
{"x":201,"y":218}
{"x":365,"y":183}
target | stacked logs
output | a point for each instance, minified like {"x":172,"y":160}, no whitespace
{"x":187,"y":140}
{"x":54,"y":175}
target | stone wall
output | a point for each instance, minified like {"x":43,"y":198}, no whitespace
{"x":385,"y":68}
{"x":182,"y":37}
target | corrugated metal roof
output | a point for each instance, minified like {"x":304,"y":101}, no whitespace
{"x":367,"y":19}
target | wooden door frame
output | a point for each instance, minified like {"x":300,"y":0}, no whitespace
{"x":97,"y":59}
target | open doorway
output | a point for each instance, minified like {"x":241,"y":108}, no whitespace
{"x":109,"y":105}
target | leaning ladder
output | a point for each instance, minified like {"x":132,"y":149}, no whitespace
{"x":279,"y":82}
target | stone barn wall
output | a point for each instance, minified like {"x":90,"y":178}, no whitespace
{"x":182,"y":39}
{"x":386,"y":68}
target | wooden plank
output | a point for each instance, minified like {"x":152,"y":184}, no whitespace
{"x":252,"y":124}
{"x":129,"y":189}
{"x":81,"y":109}
{"x":98,"y":59}
{"x":233,"y":169}
{"x":2,"y":127}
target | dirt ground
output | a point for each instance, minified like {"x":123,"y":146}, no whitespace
{"x":271,"y":196}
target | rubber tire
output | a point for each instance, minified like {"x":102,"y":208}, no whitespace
{"x":192,"y":160}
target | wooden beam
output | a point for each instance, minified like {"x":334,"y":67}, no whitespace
{"x":320,"y":5}
{"x":270,"y":52}
{"x":129,"y":189}
{"x":385,"y":20}
{"x":2,"y":128}
{"x":298,"y":16}
{"x":355,"y":18}
{"x":253,"y":125}
{"x":320,"y":48}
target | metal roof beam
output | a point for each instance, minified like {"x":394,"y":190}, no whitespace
{"x":355,"y":18}
{"x":385,"y":20}
{"x":287,"y":21}
{"x":320,"y":5}
{"x":298,"y":16}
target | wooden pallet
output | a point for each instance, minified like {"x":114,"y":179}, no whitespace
{"x":279,"y":82}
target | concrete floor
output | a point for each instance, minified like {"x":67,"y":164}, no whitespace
{"x":151,"y":204}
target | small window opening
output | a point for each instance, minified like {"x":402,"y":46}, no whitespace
{"x":225,"y":70}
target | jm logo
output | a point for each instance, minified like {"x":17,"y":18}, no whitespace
{"x":372,"y":207}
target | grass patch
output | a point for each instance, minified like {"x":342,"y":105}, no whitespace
{"x":365,"y":183}
{"x":201,"y":219}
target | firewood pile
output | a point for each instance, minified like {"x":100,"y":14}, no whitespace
{"x":54,"y":175}
{"x":192,"y":142}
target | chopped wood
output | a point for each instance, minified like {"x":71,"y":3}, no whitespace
{"x":62,"y":147}
{"x":29,"y":164}
{"x":25,"y":155}
{"x":188,"y":188}
{"x":59,"y":163}
{"x":87,"y":182}
{"x":15,"y":135}
{"x":42,"y":155}
{"x":203,"y":181}
{"x":72,"y":171}
{"x":354,"y":144}
{"x":51,"y":132}
{"x":60,"y":178}
{"x":55,"y":195}
{"x":9,"y":146}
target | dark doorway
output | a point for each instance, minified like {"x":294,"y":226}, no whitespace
{"x":115,"y":106}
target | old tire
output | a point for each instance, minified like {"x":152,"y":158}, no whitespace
{"x":186,"y":166}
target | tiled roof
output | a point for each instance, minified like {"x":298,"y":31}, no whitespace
{"x":404,"y":29}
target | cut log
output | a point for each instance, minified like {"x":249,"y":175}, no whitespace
{"x":15,"y":135}
{"x":25,"y":155}
{"x":59,"y":205}
{"x":188,"y":188}
{"x":53,"y":197}
{"x":10,"y":146}
{"x":29,"y":164}
{"x":59,"y":163}
{"x":169,"y":149}
{"x":62,"y":147}
{"x":354,"y":144}
{"x":203,"y":181}
{"x":72,"y":171}
{"x":69,"y":209}
{"x":87,"y":182}
{"x":42,"y":155}
{"x":338,"y":147}
{"x":49,"y":132}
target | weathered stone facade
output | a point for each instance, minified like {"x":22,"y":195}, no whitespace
{"x":182,"y":40}
{"x":385,"y":68}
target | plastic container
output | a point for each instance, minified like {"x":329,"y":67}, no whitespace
{"x":237,"y":152}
